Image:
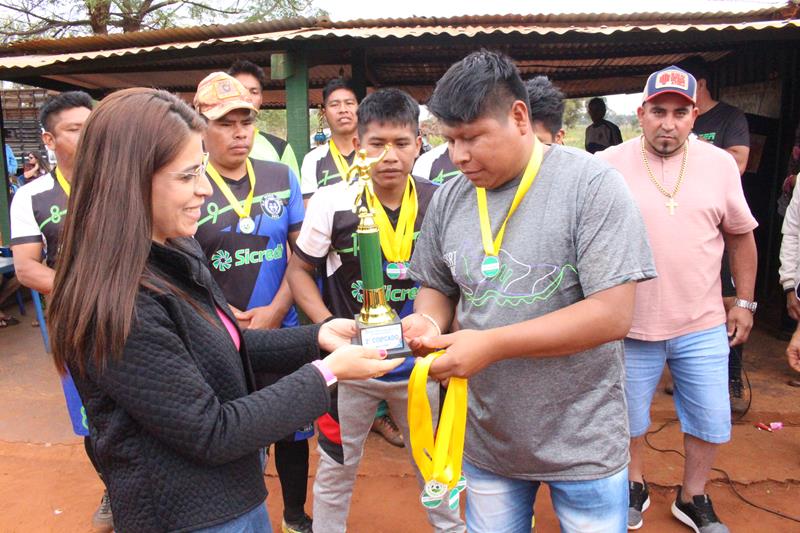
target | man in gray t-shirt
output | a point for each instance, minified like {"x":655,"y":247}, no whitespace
{"x":539,"y":336}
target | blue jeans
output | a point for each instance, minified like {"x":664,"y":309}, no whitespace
{"x":255,"y":521}
{"x":698,"y":363}
{"x":497,"y":504}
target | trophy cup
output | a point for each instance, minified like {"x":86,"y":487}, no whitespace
{"x":378,"y":325}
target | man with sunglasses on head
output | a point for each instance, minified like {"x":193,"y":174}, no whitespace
{"x":246,"y":227}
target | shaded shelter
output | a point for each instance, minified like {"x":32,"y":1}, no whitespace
{"x":753,"y":54}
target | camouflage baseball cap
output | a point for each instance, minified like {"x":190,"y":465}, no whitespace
{"x":219,"y":94}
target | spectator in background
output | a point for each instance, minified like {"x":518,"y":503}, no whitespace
{"x":11,"y":160}
{"x":435,"y":165}
{"x":33,"y":167}
{"x":789,"y":273}
{"x":547,"y":109}
{"x":266,"y":147}
{"x":601,"y":133}
{"x":789,"y":313}
{"x":679,"y":318}
{"x":327,"y":164}
{"x":721,"y":124}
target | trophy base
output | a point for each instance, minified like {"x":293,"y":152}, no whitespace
{"x":387,"y":337}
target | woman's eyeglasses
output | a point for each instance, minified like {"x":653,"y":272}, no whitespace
{"x":193,"y":174}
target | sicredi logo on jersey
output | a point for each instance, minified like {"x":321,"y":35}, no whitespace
{"x":222,"y":260}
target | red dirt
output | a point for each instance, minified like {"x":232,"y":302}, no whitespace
{"x":47,"y":483}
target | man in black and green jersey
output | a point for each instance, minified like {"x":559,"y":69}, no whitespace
{"x":325,"y":164}
{"x":435,"y":165}
{"x":248,"y":224}
{"x":37,"y":218}
{"x":266,"y":146}
{"x":326,"y":241}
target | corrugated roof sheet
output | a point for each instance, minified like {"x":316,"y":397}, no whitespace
{"x":568,"y":20}
{"x":584,"y":53}
{"x":42,"y":60}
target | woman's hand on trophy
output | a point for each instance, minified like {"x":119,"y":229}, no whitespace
{"x":357,"y":362}
{"x":336,"y":333}
{"x":467,"y":352}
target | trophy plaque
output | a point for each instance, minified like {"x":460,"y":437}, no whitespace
{"x":378,"y":325}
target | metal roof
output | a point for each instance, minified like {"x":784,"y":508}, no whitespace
{"x":585,"y":53}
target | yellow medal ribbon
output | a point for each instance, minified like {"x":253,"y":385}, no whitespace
{"x":241,"y":208}
{"x":339,"y":160}
{"x":63,"y":182}
{"x":396,"y":243}
{"x":439,"y":461}
{"x":492,"y":248}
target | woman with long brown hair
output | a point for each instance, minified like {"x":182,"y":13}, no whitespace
{"x":164,"y":373}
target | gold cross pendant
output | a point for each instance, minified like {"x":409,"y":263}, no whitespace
{"x":671,"y":205}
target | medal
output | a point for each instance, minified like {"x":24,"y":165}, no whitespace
{"x":439,"y":460}
{"x":490,"y":266}
{"x":241,"y":208}
{"x":246,"y":225}
{"x":396,"y":242}
{"x":397,"y":270}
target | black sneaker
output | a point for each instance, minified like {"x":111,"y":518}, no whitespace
{"x":698,"y":515}
{"x":638,"y":502}
{"x":300,"y":526}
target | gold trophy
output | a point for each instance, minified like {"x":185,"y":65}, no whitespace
{"x":378,"y":325}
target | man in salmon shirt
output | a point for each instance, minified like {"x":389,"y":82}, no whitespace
{"x":691,"y":198}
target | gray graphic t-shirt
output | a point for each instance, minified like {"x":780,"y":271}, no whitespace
{"x":576,"y":232}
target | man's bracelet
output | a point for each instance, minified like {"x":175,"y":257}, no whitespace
{"x":432,"y":321}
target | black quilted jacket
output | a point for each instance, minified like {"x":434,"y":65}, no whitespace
{"x":177,"y":423}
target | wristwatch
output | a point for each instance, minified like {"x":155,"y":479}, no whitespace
{"x":750,"y":306}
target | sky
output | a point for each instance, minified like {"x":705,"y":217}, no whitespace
{"x":622,"y":104}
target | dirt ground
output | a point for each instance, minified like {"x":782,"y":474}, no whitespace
{"x":47,"y":483}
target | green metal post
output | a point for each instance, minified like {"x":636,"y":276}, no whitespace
{"x":297,"y":125}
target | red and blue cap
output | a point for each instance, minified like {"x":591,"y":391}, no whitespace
{"x":671,"y":80}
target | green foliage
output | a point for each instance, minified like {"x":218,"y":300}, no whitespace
{"x":36,"y":19}
{"x":574,"y":112}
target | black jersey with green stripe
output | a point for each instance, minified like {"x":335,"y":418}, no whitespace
{"x":328,"y":239}
{"x":37,"y":215}
{"x":250,"y":268}
{"x":319,"y":170}
{"x":435,"y":165}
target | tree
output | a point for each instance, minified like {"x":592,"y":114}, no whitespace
{"x":575,"y":112}
{"x":34,"y":19}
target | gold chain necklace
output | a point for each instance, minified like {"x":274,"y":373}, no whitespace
{"x":671,"y":203}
